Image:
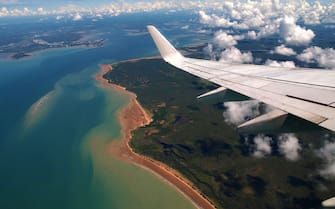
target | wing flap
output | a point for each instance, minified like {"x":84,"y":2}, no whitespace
{"x":276,"y":117}
{"x":304,"y":92}
{"x":328,"y":124}
{"x":309,"y":111}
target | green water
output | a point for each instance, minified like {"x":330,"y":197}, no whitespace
{"x":56,"y":124}
{"x":56,"y":155}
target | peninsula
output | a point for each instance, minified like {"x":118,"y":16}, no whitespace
{"x":188,"y":143}
{"x":132,"y":117}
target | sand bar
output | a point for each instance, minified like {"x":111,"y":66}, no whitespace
{"x":133,"y":116}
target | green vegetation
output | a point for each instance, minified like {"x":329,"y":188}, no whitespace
{"x":192,"y":137}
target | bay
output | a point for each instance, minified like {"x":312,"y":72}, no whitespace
{"x":56,"y":122}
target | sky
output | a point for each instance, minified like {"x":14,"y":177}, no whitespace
{"x":34,"y":4}
{"x":311,"y":8}
{"x":58,"y":3}
{"x":41,"y":3}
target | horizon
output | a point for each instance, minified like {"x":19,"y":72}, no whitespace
{"x":10,"y":8}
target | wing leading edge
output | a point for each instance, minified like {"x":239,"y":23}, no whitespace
{"x":305,"y":93}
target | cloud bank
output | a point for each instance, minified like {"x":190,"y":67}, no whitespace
{"x":112,"y":9}
{"x":260,"y":19}
{"x":323,"y":57}
{"x":258,"y":14}
{"x":237,"y":14}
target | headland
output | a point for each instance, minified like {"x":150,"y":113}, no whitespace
{"x":132,"y":117}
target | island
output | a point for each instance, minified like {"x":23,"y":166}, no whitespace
{"x":18,"y":44}
{"x":188,"y":143}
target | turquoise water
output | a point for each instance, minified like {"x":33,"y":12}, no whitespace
{"x":56,"y":122}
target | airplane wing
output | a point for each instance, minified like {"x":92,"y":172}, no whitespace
{"x":303,"y":92}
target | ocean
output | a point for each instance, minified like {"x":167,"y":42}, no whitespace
{"x":56,"y":122}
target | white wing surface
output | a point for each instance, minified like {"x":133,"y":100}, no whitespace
{"x":303,"y":92}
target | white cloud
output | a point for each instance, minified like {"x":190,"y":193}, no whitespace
{"x":327,"y":153}
{"x":265,"y":31}
{"x":260,"y":13}
{"x":283,"y":50}
{"x":234,"y":55}
{"x":286,"y":64}
{"x":4,"y":11}
{"x":204,"y":18}
{"x":251,"y":35}
{"x":224,"y":40}
{"x":315,"y":13}
{"x":269,"y":29}
{"x":77,"y":17}
{"x":324,"y":57}
{"x":230,"y":54}
{"x":185,"y":27}
{"x":262,"y":146}
{"x":294,"y":34}
{"x":289,"y":146}
{"x":238,"y":112}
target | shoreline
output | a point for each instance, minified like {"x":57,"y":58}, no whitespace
{"x":132,"y":117}
{"x":9,"y":56}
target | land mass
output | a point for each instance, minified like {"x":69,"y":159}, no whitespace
{"x":17,"y":43}
{"x":132,"y":117}
{"x":191,"y":138}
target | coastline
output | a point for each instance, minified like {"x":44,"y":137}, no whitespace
{"x":133,"y":116}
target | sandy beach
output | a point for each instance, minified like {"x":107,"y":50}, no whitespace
{"x":133,"y":116}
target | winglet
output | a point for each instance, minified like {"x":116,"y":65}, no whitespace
{"x":167,"y":51}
